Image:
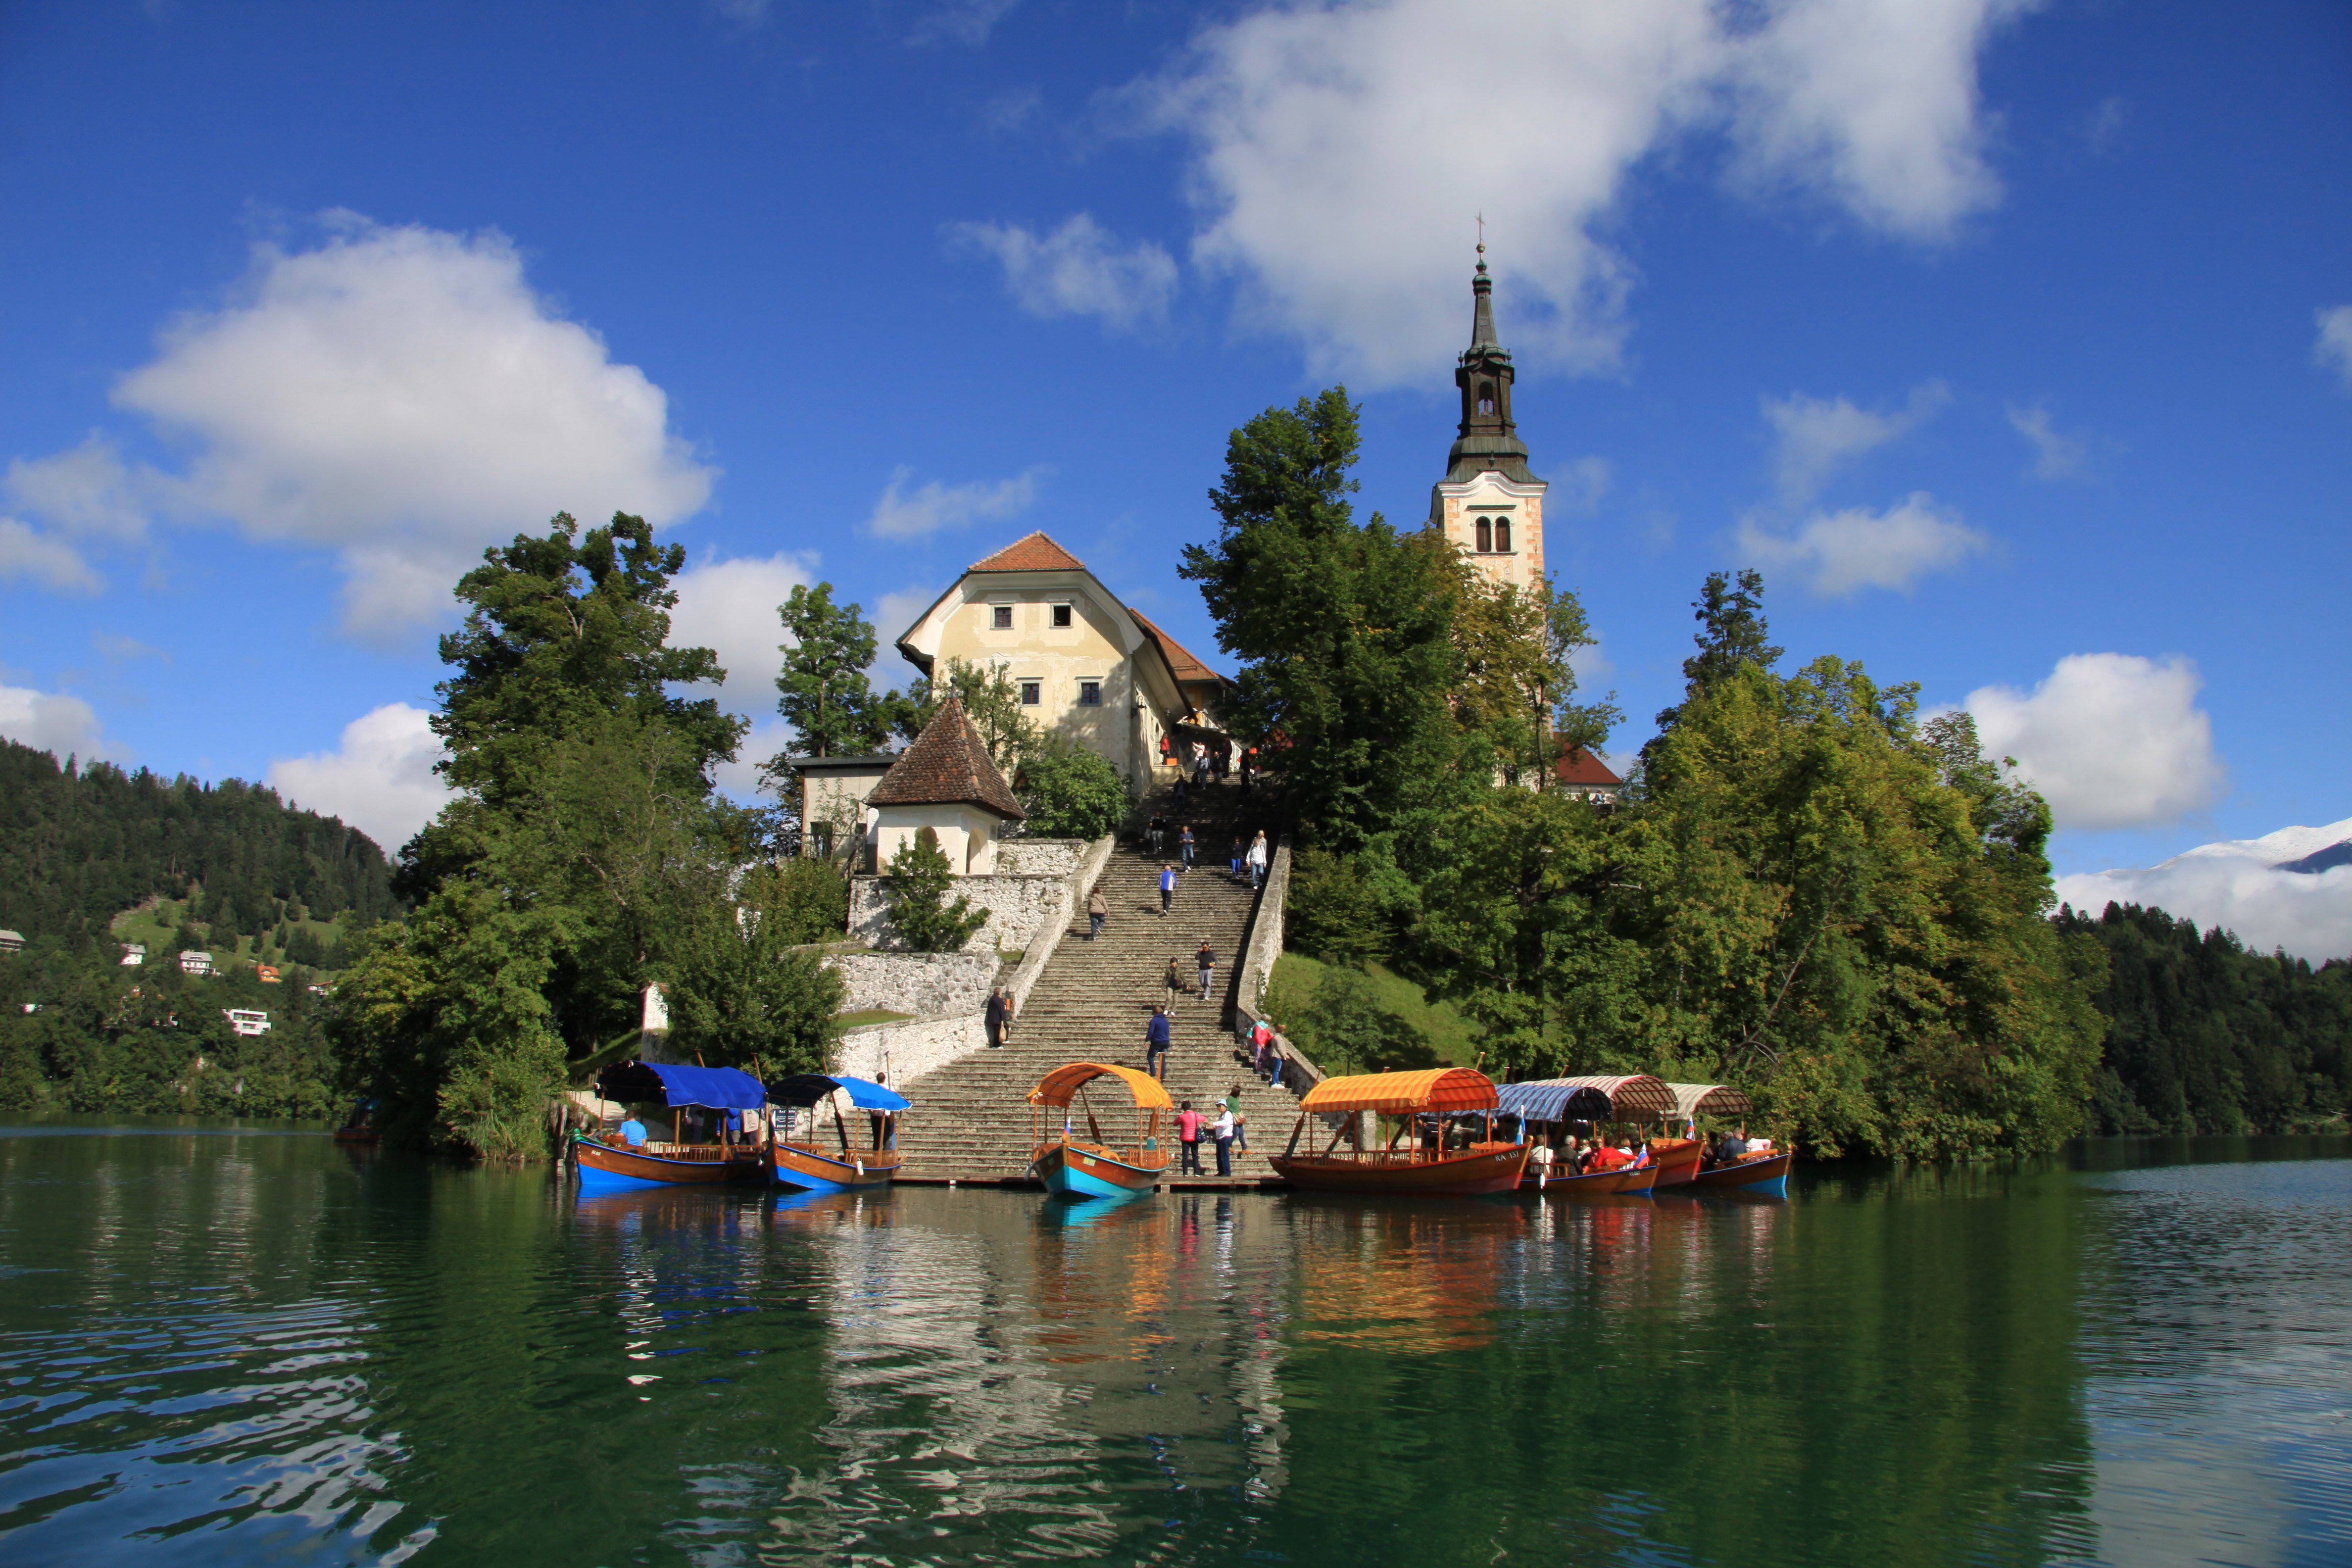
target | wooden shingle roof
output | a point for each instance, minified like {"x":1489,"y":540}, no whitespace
{"x":948,"y":766}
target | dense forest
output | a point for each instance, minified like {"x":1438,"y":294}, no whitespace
{"x":226,"y":867}
{"x":2204,"y":1037}
{"x":79,"y":844}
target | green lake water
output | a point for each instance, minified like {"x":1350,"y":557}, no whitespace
{"x":243,"y":1344}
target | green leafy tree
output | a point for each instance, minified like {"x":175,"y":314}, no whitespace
{"x":1346,"y":1030}
{"x":745,"y":994}
{"x":824,"y":694}
{"x":1517,"y":643}
{"x":1069,"y":791}
{"x":920,"y":878}
{"x":1345,"y":631}
{"x":809,"y":900}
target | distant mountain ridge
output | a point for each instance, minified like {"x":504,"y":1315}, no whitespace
{"x":2291,"y":890}
{"x":2304,"y":849}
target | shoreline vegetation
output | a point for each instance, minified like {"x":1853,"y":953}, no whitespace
{"x":1805,"y":887}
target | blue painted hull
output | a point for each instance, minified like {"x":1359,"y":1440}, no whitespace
{"x":593,"y":1180}
{"x":1058,"y":1166}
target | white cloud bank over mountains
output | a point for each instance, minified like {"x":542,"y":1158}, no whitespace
{"x":2245,"y":885}
{"x":1341,"y":151}
{"x":51,"y":721}
{"x":398,"y":396}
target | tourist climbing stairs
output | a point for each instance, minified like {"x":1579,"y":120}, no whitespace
{"x":971,"y":1117}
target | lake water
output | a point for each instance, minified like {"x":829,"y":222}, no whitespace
{"x":246,"y":1345}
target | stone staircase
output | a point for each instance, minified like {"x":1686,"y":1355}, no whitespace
{"x":971,"y":1117}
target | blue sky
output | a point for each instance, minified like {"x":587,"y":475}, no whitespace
{"x":1998,"y":335}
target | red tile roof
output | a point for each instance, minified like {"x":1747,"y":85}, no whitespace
{"x":1033,"y":554}
{"x":1180,"y":660}
{"x":946,"y":765}
{"x":1578,"y":766}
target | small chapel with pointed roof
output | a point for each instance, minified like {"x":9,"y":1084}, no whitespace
{"x":946,"y":782}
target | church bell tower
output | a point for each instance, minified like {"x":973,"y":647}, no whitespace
{"x":1489,"y":503}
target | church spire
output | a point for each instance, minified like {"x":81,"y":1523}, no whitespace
{"x":1489,"y":438}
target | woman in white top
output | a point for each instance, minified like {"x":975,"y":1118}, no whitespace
{"x":1223,"y":1129}
{"x":1256,"y":858}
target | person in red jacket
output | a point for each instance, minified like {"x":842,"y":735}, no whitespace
{"x":1188,"y":1134}
{"x":1606,"y":1158}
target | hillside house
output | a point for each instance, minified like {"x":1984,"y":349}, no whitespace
{"x":195,"y":961}
{"x":946,"y":782}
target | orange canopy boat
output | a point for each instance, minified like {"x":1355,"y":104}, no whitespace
{"x":1094,"y":1166}
{"x":1416,"y":1160}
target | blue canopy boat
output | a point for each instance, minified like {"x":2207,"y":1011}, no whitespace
{"x":607,"y":1163}
{"x":806,"y":1163}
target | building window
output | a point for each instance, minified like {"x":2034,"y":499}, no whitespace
{"x":1061,"y":615}
{"x":999,"y":617}
{"x":1486,"y":535}
{"x":821,"y":840}
{"x":1502,"y":536}
{"x":1089,"y":693}
{"x":1031,"y":693}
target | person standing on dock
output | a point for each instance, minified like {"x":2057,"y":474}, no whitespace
{"x":1188,"y":1137}
{"x":1222,"y":1130}
{"x":1241,"y":1123}
{"x":1155,"y":1044}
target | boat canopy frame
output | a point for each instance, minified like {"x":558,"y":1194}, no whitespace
{"x":1714,"y":1099}
{"x":1443,"y":1089}
{"x":673,"y":1084}
{"x":806,"y":1088}
{"x":1060,"y":1086}
{"x":1631,"y":1097}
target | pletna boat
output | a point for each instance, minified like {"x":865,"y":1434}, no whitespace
{"x":809,"y":1163}
{"x":1415,"y":1161}
{"x":361,"y":1129}
{"x":1094,"y":1166}
{"x":607,"y":1163}
{"x":1546,"y":1106}
{"x":1693,"y":1101}
{"x":1765,"y":1174}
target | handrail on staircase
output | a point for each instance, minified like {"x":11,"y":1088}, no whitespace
{"x":1260,"y":948}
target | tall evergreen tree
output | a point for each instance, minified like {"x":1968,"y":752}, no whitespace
{"x":824,"y":694}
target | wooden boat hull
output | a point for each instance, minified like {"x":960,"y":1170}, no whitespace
{"x":1091,"y":1171}
{"x":367,"y":1136}
{"x":604,"y":1168}
{"x":1473,"y":1173}
{"x":1677,"y":1159}
{"x":809,"y":1170}
{"x":1597,"y":1184}
{"x":1768,"y":1176}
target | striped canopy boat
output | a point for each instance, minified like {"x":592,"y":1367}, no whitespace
{"x":1421,"y":1103}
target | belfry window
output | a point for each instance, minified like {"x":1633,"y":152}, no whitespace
{"x":1486,"y":397}
{"x":1486,"y":534}
{"x":999,"y":617}
{"x":1502,"y":536}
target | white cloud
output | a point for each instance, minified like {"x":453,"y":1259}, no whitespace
{"x":2238,"y":884}
{"x":398,"y":394}
{"x":894,"y":613}
{"x":899,"y":514}
{"x":1812,"y":437}
{"x":1079,"y":269}
{"x":1342,"y":150}
{"x":2333,"y":347}
{"x":27,"y":551}
{"x":2111,"y":740}
{"x":1578,"y":486}
{"x":2055,"y":456}
{"x":1839,"y":552}
{"x":740,"y":778}
{"x":960,"y":22}
{"x":51,"y":721}
{"x":1872,"y":103}
{"x":729,"y":606}
{"x":380,"y":780}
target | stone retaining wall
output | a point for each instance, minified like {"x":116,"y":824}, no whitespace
{"x":1264,"y":947}
{"x":908,"y":1050}
{"x":1018,"y":907}
{"x":1040,"y":857}
{"x":921,"y":983}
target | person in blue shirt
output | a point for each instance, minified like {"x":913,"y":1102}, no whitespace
{"x":633,"y":1134}
{"x":1166,"y":889}
{"x":1155,"y":1044}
